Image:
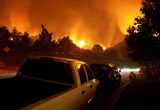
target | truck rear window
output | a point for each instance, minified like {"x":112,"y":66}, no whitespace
{"x":48,"y":70}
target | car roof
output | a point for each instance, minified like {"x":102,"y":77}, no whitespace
{"x":60,"y":59}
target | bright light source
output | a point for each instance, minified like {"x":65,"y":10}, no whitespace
{"x":118,"y":69}
{"x":130,"y":70}
{"x":156,"y":34}
{"x":81,"y":43}
{"x":127,"y":71}
{"x":11,"y":38}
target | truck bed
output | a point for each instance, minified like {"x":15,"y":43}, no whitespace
{"x":18,"y":92}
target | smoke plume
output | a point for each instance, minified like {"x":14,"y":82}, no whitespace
{"x":95,"y":21}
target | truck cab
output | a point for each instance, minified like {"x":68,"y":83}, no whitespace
{"x":49,"y":83}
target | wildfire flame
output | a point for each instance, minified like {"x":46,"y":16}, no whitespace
{"x":89,"y":23}
{"x":81,"y":43}
{"x":78,"y":37}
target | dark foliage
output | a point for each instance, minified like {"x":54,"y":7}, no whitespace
{"x":44,"y":42}
{"x":15,"y":46}
{"x":143,"y":38}
{"x":97,"y":48}
{"x":66,"y":45}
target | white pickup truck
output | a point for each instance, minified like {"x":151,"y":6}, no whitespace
{"x":48,"y":83}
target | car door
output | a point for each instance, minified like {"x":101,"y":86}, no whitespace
{"x":92,"y":83}
{"x":83,"y":88}
{"x":88,"y":86}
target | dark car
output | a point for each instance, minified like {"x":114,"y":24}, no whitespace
{"x":109,"y":76}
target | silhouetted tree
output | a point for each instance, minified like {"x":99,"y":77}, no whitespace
{"x":66,"y":45}
{"x":97,"y":48}
{"x":15,"y":41}
{"x":4,"y":36}
{"x":25,"y":43}
{"x":44,"y":42}
{"x":4,"y":41}
{"x":143,"y":38}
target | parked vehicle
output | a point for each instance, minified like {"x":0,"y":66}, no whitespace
{"x":49,"y":83}
{"x":109,"y":76}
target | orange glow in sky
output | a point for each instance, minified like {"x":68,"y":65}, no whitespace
{"x":87,"y":22}
{"x":127,"y":14}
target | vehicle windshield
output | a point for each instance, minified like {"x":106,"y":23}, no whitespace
{"x":48,"y":70}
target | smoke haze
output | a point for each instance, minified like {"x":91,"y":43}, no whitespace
{"x":95,"y":21}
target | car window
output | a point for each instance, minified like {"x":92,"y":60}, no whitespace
{"x":89,"y":72}
{"x":48,"y":70}
{"x":96,"y":69}
{"x":82,"y":73}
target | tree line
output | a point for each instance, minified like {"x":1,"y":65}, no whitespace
{"x":16,"y":44}
{"x":143,"y":40}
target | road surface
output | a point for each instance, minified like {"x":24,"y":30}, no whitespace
{"x":107,"y":100}
{"x":136,"y":95}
